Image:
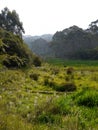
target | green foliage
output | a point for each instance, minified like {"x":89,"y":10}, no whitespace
{"x":37,"y":61}
{"x":13,"y":61}
{"x":70,"y":71}
{"x":17,"y":52}
{"x":52,"y":109}
{"x":76,"y":43}
{"x":2,"y":47}
{"x":66,"y":87}
{"x":10,"y":21}
{"x":49,"y":82}
{"x":88,"y":54}
{"x":75,"y":63}
{"x":49,"y":118}
{"x":31,"y":105}
{"x":55,"y":71}
{"x":87,"y":98}
{"x":63,"y":105}
{"x":34,"y":76}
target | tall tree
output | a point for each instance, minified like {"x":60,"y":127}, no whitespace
{"x":93,"y":27}
{"x":9,"y":20}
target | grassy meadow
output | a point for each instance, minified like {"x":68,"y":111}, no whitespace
{"x":59,"y":95}
{"x":75,"y":63}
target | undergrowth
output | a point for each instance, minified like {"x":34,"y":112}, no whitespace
{"x":38,"y":98}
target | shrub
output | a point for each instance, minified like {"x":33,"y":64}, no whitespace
{"x":69,"y":78}
{"x":2,"y":47}
{"x":49,"y":82}
{"x":49,"y":118}
{"x":87,"y":98}
{"x":63,"y":105}
{"x":13,"y":61}
{"x":37,"y":61}
{"x":34,"y":76}
{"x":18,"y":52}
{"x":55,"y":71}
{"x":69,"y":70}
{"x":51,"y":111}
{"x":46,"y":81}
{"x":67,"y":87}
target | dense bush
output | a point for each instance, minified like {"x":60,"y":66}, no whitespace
{"x":87,"y":98}
{"x":2,"y":47}
{"x":49,"y":82}
{"x":88,"y":54}
{"x":13,"y":61}
{"x":49,"y":118}
{"x":34,"y":76}
{"x":70,"y":71}
{"x":67,"y":87}
{"x":51,"y":111}
{"x":18,"y":54}
{"x":37,"y":61}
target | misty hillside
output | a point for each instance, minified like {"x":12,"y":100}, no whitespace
{"x":40,"y":47}
{"x":29,"y":39}
{"x":70,"y":43}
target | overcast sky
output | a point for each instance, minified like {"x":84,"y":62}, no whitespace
{"x":48,"y":16}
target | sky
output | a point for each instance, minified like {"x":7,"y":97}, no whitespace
{"x":48,"y":16}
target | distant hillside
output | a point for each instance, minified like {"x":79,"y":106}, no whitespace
{"x":70,"y":43}
{"x":40,"y":47}
{"x":73,"y":43}
{"x":29,"y":39}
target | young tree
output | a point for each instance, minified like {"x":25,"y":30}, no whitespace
{"x":93,"y":27}
{"x":10,"y":21}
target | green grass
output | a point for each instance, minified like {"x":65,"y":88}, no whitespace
{"x":77,"y":63}
{"x":32,"y":98}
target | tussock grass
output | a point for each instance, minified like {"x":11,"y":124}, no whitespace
{"x":27,"y":103}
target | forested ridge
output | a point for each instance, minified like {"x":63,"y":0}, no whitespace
{"x":70,"y":43}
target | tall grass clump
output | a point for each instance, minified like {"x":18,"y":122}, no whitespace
{"x":49,"y":82}
{"x":70,"y":71}
{"x":66,"y":87}
{"x":52,"y":110}
{"x":87,"y":98}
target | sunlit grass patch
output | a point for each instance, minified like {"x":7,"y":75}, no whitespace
{"x":44,"y":103}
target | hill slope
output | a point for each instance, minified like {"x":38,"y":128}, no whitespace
{"x":29,"y":39}
{"x":71,"y":43}
{"x":41,"y":47}
{"x":13,"y":51}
